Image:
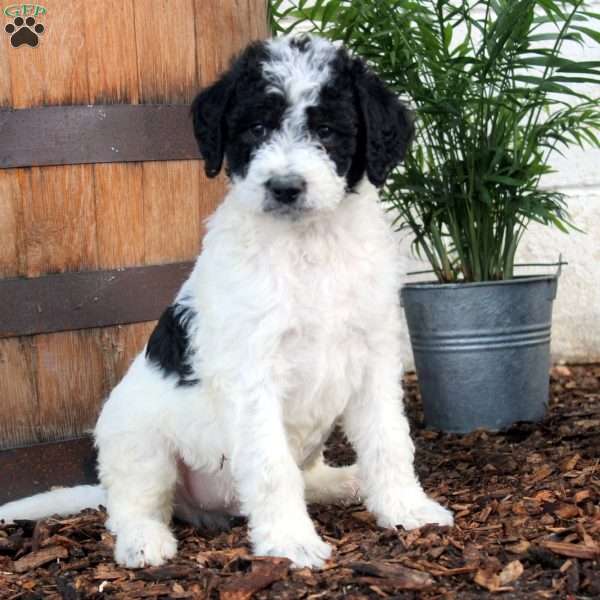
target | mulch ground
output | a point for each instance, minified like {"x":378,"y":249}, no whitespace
{"x":527,"y":505}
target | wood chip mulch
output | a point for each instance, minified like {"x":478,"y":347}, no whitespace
{"x":527,"y":505}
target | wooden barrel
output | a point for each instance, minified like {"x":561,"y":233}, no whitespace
{"x":74,"y":236}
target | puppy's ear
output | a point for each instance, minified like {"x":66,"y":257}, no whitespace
{"x":208,"y":112}
{"x":388,"y":124}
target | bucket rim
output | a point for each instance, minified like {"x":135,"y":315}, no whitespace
{"x":520,"y":279}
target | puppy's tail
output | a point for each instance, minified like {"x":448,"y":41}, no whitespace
{"x":62,"y":501}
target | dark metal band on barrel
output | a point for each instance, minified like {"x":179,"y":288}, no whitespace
{"x":69,"y":135}
{"x":70,"y":301}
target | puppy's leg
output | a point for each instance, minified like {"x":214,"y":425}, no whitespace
{"x":270,"y":484}
{"x":324,"y":484}
{"x":139,"y":472}
{"x":377,"y":427}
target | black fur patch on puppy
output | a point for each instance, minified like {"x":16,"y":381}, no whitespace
{"x":168,"y":346}
{"x":211,"y":108}
{"x":254,"y":115}
{"x":370,"y":130}
{"x":339,"y":113}
{"x":388,"y":124}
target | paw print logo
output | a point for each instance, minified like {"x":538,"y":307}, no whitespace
{"x":24,"y":32}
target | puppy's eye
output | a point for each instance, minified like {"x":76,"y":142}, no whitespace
{"x":258,"y":131}
{"x":325,"y":132}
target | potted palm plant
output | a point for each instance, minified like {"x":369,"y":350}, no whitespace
{"x":495,"y":95}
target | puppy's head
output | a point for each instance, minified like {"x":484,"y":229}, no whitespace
{"x":299,"y":123}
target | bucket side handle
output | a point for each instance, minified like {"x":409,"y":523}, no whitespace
{"x":554,"y":286}
{"x":552,"y":289}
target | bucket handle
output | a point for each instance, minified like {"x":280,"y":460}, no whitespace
{"x":558,"y":264}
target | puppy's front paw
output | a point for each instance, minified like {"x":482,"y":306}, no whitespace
{"x":414,"y":510}
{"x":144,"y":543}
{"x":304,"y":549}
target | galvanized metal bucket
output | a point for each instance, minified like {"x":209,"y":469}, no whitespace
{"x":482,"y":350}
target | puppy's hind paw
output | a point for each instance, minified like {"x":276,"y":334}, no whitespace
{"x":332,"y":485}
{"x":307,"y":551}
{"x":414,"y":512}
{"x":144,"y":543}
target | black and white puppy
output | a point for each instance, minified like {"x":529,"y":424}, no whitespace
{"x":289,"y":322}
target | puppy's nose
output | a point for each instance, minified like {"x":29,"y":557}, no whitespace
{"x":286,"y":189}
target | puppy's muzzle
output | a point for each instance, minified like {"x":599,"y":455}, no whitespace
{"x":286,"y":190}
